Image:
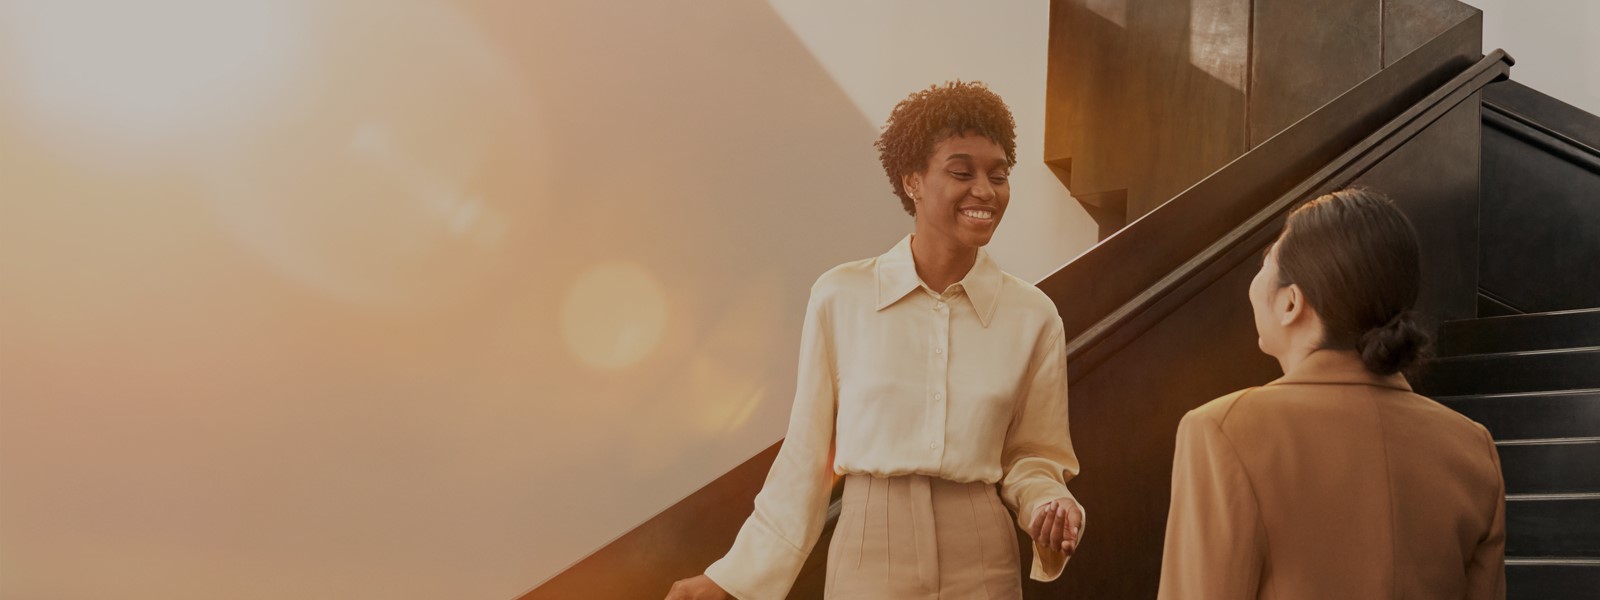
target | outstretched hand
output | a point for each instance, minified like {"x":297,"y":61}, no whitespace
{"x":1056,"y":525}
{"x":696,"y":588}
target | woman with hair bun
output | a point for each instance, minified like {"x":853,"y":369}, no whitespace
{"x":1336,"y":481}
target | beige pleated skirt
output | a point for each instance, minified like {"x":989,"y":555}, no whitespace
{"x":919,"y":537}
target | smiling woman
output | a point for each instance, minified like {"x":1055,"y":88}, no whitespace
{"x":935,"y":381}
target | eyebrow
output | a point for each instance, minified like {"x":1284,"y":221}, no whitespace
{"x":964,"y":156}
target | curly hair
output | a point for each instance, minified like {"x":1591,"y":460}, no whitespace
{"x":930,"y":116}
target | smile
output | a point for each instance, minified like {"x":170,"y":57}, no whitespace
{"x":978,"y":213}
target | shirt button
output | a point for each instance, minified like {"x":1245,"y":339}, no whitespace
{"x":933,"y":445}
{"x":938,"y":306}
{"x":938,"y":396}
{"x":938,"y":350}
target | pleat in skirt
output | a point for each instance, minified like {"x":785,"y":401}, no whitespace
{"x":915,"y":537}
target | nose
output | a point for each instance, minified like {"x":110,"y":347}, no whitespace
{"x":982,"y":190}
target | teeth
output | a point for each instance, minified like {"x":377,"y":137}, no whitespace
{"x":977,"y":214}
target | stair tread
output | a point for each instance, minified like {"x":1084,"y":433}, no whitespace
{"x":1559,"y":526}
{"x":1551,"y":580}
{"x":1510,"y":333}
{"x":1527,"y":371}
{"x":1524,"y":415}
{"x":1558,"y":468}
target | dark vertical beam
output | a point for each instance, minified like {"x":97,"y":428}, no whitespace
{"x":1146,"y":97}
{"x":1188,"y":63}
{"x":1408,"y":24}
{"x":1304,"y":54}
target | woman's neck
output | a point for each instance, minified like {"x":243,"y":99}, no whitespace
{"x":941,"y":264}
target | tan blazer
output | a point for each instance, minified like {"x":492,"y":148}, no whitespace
{"x":1333,"y":483}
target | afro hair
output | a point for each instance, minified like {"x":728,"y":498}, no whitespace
{"x":930,"y":116}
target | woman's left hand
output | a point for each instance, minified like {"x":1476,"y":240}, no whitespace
{"x":1056,"y":524}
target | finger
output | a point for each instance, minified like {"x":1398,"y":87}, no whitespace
{"x":1060,"y":535}
{"x":1049,"y":528}
{"x":1036,"y":526}
{"x":1075,"y":521}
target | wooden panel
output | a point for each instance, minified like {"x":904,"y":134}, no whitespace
{"x":1145,"y":96}
{"x":1100,"y":281}
{"x":1541,"y":202}
{"x":1408,"y":24}
{"x":1186,"y":70}
{"x":1305,"y":53}
{"x":1087,"y":84}
{"x":1443,"y":206}
{"x":1124,"y":421}
{"x":677,"y":543}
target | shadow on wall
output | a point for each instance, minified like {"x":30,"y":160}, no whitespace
{"x":413,"y":299}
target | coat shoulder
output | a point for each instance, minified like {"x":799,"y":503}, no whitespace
{"x":1218,"y":409}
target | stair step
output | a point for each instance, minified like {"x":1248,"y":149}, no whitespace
{"x":1566,"y":525}
{"x":1551,"y":578}
{"x":1572,"y":413}
{"x":1519,"y":333}
{"x":1533,"y":371}
{"x":1551,"y":466}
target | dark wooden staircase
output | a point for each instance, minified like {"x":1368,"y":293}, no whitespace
{"x":1534,"y":381}
{"x":1500,"y":181}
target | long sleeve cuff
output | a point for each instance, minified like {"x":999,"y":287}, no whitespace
{"x":761,"y":565}
{"x":1048,"y":563}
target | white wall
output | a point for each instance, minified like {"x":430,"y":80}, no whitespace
{"x":1556,"y":44}
{"x":878,"y":51}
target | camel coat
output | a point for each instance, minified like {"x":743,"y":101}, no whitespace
{"x":1332,"y":482}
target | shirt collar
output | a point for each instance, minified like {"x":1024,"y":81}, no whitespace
{"x":897,"y":276}
{"x":1336,"y":367}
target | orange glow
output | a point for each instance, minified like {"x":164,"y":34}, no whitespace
{"x":404,"y":298}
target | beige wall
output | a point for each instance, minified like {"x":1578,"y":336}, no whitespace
{"x":428,"y":299}
{"x":1554,"y":42}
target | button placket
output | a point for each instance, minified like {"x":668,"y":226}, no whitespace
{"x":939,"y":359}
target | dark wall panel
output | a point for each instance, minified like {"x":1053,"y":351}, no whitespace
{"x":1146,"y":97}
{"x":1188,"y":68}
{"x":1305,"y":53}
{"x":1086,"y":84}
{"x":1124,"y":418}
{"x":1408,"y":24}
{"x":1541,"y":227}
{"x":1434,"y":179}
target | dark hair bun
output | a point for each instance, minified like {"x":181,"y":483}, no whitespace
{"x":1356,"y":258}
{"x":1393,"y":346}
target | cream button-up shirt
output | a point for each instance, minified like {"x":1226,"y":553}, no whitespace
{"x":968,"y":384}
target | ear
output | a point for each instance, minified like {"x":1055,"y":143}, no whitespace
{"x":912,"y":182}
{"x":1291,"y":304}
